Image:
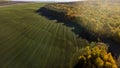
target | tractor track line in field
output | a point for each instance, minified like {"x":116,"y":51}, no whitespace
{"x":51,"y":45}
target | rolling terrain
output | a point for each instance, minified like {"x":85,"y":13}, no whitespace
{"x":30,"y":40}
{"x":52,"y":35}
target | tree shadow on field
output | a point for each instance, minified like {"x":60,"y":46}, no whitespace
{"x":61,"y":18}
{"x":77,"y":29}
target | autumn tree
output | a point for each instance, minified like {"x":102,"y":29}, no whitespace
{"x":96,"y":57}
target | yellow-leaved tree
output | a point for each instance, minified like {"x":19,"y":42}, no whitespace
{"x":96,"y":57}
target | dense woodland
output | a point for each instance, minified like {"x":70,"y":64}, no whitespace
{"x":101,"y":20}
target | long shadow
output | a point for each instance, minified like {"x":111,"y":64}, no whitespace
{"x":77,"y":29}
{"x":61,"y":18}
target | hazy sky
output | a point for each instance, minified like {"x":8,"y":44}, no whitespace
{"x":48,"y":0}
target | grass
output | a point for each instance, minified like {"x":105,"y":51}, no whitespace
{"x":30,"y":40}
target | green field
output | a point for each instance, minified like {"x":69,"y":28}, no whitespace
{"x":29,"y":40}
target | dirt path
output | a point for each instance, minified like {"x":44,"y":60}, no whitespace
{"x":10,"y":3}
